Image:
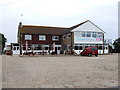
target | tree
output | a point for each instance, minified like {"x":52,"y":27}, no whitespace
{"x":117,"y":45}
{"x":3,"y":40}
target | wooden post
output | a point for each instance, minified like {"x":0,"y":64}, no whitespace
{"x":26,"y":46}
{"x":20,"y":44}
{"x":103,"y":43}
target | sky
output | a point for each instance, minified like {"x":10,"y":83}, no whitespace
{"x":58,"y":13}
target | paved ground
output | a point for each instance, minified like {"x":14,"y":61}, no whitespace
{"x":60,"y":71}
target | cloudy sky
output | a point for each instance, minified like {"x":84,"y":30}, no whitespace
{"x":62,"y":13}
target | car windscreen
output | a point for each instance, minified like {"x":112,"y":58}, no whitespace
{"x":84,"y":50}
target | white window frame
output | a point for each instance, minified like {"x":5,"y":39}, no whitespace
{"x":54,"y":39}
{"x":28,"y":37}
{"x":42,"y":37}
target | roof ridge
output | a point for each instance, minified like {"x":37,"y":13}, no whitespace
{"x":79,"y":24}
{"x":44,"y":26}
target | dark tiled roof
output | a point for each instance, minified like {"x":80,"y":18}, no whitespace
{"x":28,"y":29}
{"x":75,"y":26}
{"x":43,"y":30}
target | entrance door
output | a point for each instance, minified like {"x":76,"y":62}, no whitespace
{"x":16,"y":50}
{"x":56,"y":50}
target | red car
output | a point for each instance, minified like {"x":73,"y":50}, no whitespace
{"x":8,"y":52}
{"x":89,"y":51}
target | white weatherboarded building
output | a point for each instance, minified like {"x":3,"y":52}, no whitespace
{"x":88,"y":34}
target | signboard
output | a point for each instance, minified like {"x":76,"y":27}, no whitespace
{"x":96,"y":37}
{"x":77,"y":39}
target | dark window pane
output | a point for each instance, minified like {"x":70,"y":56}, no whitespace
{"x":24,"y":48}
{"x":100,"y":47}
{"x":46,"y":48}
{"x":17,"y":48}
{"x":59,"y":48}
{"x":80,"y":48}
{"x":76,"y":47}
{"x":86,"y":46}
{"x":14,"y":48}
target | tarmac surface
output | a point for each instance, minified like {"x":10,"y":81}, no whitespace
{"x":61,"y":71}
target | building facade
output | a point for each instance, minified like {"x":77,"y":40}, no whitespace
{"x":60,"y":39}
{"x":88,"y":34}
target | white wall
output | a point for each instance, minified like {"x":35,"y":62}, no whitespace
{"x":88,"y":26}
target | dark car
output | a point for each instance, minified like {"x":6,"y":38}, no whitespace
{"x":89,"y":51}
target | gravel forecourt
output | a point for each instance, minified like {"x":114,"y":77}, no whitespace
{"x":60,"y":71}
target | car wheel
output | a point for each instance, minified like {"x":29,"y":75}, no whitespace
{"x":89,"y":54}
{"x":96,"y":55}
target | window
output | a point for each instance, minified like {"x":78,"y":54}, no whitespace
{"x":86,"y":46}
{"x":83,"y":34}
{"x":17,"y":48}
{"x":14,"y":48}
{"x":76,"y":47}
{"x":100,"y":47}
{"x":64,"y":36}
{"x":80,"y":47}
{"x":55,"y":37}
{"x":24,"y":47}
{"x":94,"y":34}
{"x":28,"y":37}
{"x":99,"y":34}
{"x":68,"y":35}
{"x":88,"y":34}
{"x":106,"y":48}
{"x":42,"y":37}
{"x":59,"y":48}
{"x":37,"y":47}
{"x":46,"y":48}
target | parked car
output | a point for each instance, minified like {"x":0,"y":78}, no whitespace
{"x":28,"y":53}
{"x":89,"y":51}
{"x":8,"y":52}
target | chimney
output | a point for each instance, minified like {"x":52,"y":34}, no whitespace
{"x":20,"y":24}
